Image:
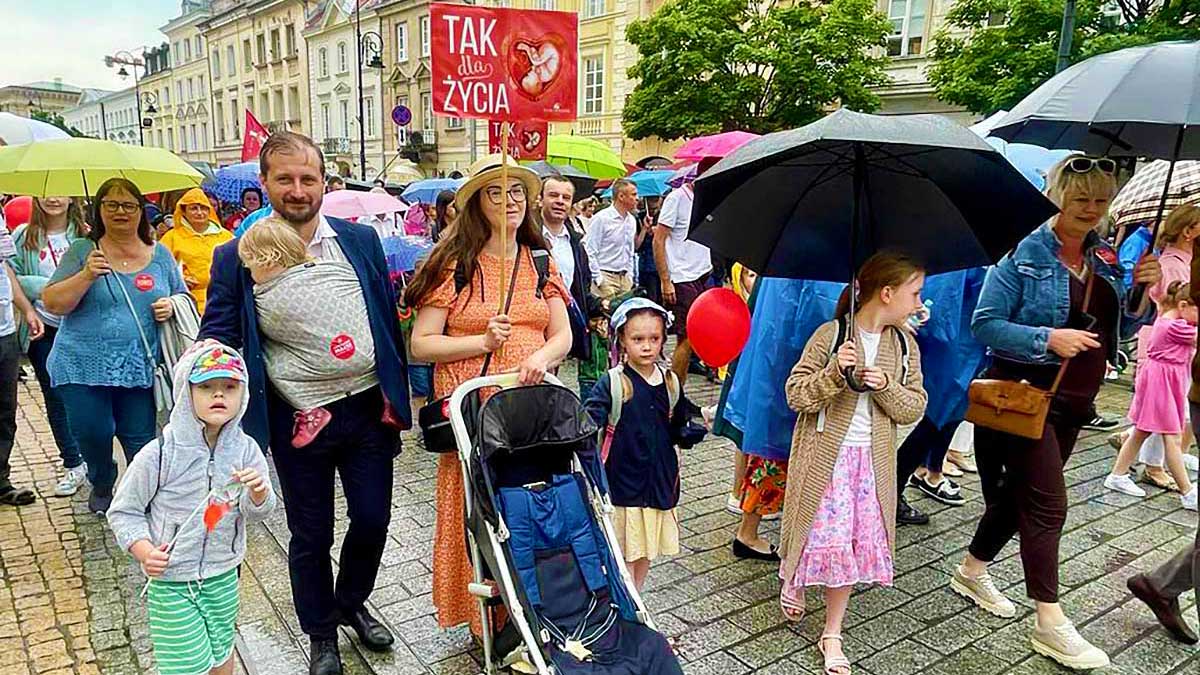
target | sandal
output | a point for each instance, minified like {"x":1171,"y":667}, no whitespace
{"x":792,"y":610}
{"x":951,"y":469}
{"x":834,"y":665}
{"x":1163,"y":481}
{"x":13,"y":496}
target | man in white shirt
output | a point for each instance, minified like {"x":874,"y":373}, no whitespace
{"x":683,"y":269}
{"x":610,"y":243}
{"x":12,"y":299}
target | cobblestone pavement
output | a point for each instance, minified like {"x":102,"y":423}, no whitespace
{"x":68,"y":598}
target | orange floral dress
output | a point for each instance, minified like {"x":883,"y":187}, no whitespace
{"x":468,"y":315}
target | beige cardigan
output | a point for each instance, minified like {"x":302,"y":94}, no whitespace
{"x":816,"y":385}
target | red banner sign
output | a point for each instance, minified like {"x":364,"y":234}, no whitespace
{"x":253,"y":138}
{"x":526,"y":140}
{"x":504,"y":64}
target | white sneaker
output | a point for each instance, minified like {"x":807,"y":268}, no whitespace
{"x":1189,"y":500}
{"x":1123,"y":484}
{"x":983,"y":592}
{"x":733,"y":505}
{"x":1191,"y":462}
{"x":1065,"y":645}
{"x":71,"y":481}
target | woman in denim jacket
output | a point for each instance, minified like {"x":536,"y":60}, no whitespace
{"x":1035,"y":310}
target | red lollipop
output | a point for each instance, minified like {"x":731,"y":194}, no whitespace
{"x":718,"y":326}
{"x":17,"y":211}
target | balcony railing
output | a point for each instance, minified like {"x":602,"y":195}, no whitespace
{"x":336,"y":146}
{"x":591,"y":127}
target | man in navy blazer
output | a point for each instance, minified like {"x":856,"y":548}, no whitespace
{"x":354,"y":441}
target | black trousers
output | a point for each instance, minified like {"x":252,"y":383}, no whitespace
{"x":1024,"y":491}
{"x":361,"y":450}
{"x":1181,"y":573}
{"x":10,"y":359}
{"x":925,"y":446}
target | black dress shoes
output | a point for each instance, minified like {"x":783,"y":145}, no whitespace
{"x":744,"y":552}
{"x":907,"y":515}
{"x":374,"y":635}
{"x":1167,"y":611}
{"x":324,"y":658}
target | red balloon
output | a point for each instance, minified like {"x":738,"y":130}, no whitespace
{"x":718,"y":326}
{"x":17,"y":211}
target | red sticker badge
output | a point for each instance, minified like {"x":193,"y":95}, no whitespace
{"x":144,"y":282}
{"x":342,"y":347}
{"x":1106,"y":256}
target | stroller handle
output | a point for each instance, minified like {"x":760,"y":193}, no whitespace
{"x":503,"y":381}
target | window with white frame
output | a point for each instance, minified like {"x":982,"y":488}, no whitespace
{"x":369,"y":114}
{"x":908,"y":27}
{"x":191,"y":90}
{"x":341,"y":58}
{"x":454,"y":123}
{"x":427,"y":112}
{"x":230,"y":66}
{"x":326,"y":123}
{"x":547,"y":5}
{"x":344,"y":109}
{"x":204,"y":135}
{"x":323,"y":62}
{"x":290,"y":40}
{"x":593,"y":8}
{"x":425,"y":36}
{"x":187,"y":50}
{"x":593,"y":85}
{"x":402,"y":42}
{"x":179,"y":91}
{"x":216,"y":64}
{"x":199,"y":46}
{"x":178,"y":60}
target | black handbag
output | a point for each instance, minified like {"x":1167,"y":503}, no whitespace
{"x":434,"y":417}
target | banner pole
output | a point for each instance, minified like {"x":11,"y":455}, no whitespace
{"x":504,"y":133}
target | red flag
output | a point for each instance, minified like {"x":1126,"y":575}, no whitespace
{"x":252,"y":141}
{"x":214,"y":512}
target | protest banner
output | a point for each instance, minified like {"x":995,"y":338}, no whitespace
{"x":527,"y":140}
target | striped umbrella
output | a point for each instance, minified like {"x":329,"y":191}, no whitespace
{"x":1139,"y":200}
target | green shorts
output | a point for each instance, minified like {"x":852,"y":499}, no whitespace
{"x":192,"y":623}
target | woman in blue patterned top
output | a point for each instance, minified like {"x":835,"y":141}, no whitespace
{"x":110,"y":289}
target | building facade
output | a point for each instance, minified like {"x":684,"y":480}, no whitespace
{"x":256,"y":62}
{"x":50,"y":97}
{"x":333,"y":53}
{"x":109,"y":115}
{"x":185,"y":119}
{"x":914,"y":23}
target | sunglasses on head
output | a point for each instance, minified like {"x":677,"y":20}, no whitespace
{"x":1086,"y":164}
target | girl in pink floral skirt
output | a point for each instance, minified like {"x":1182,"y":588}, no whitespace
{"x":839,"y":515}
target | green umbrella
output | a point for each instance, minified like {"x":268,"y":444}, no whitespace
{"x":586,"y":154}
{"x":77,"y":166}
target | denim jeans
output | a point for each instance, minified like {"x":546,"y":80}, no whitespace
{"x":56,"y":410}
{"x":10,"y":357}
{"x":97,"y":414}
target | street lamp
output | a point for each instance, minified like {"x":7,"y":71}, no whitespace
{"x":369,"y":43}
{"x":150,"y":102}
{"x":124,"y":58}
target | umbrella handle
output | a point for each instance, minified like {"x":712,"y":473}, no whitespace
{"x":853,"y":382}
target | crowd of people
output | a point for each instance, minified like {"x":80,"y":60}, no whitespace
{"x":300,"y":354}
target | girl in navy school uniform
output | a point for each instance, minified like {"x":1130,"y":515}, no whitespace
{"x":641,"y":461}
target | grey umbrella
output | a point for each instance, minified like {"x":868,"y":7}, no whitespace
{"x":584,"y":184}
{"x":1135,"y":102}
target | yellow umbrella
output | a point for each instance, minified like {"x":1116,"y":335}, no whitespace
{"x":77,"y":166}
{"x":586,"y":154}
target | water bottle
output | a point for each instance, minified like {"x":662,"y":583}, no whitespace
{"x":921,"y":316}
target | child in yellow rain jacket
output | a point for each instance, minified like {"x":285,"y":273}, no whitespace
{"x":193,"y":238}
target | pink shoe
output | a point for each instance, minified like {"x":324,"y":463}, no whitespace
{"x":309,"y":423}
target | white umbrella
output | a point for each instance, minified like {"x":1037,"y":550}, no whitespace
{"x":16,"y":130}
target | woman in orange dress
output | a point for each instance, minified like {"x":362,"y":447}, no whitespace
{"x":455,"y":330}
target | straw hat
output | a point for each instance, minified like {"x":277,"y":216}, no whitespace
{"x":487,"y":169}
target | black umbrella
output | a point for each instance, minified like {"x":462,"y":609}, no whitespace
{"x":584,"y":184}
{"x":1135,"y":102}
{"x":815,"y":202}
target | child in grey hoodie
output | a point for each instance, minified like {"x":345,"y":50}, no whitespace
{"x":182,"y":511}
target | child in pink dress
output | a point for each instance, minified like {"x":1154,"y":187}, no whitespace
{"x":1160,"y":395}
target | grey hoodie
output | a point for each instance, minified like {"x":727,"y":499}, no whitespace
{"x":174,"y":487}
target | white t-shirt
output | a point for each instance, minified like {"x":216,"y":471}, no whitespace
{"x":8,"y":321}
{"x":48,"y":259}
{"x":687,"y":260}
{"x":859,"y":433}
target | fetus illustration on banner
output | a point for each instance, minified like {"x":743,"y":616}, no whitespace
{"x":504,"y":64}
{"x":526,"y":139}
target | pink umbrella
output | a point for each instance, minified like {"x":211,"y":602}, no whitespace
{"x":355,"y":204}
{"x":683,"y":175}
{"x":717,"y":145}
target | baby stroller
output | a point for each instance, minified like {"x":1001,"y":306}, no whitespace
{"x":537,"y":522}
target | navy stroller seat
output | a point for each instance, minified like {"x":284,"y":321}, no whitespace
{"x":538,"y":525}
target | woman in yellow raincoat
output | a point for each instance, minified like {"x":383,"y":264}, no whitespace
{"x":193,"y":238}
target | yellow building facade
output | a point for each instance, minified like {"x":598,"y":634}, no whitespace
{"x":180,"y":92}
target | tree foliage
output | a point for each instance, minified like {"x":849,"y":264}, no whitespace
{"x":986,"y":68}
{"x":718,"y":65}
{"x":55,"y":119}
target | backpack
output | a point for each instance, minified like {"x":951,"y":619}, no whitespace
{"x":843,"y":330}
{"x":541,"y":263}
{"x":620,"y":390}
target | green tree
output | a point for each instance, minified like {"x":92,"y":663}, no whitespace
{"x":55,"y":119}
{"x":992,"y":53}
{"x":718,"y":65}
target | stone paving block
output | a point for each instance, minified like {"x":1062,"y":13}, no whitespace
{"x":705,"y":640}
{"x":768,"y":648}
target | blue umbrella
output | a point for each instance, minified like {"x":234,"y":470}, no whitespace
{"x":426,"y":191}
{"x":252,"y":219}
{"x":1032,"y":161}
{"x":229,"y":181}
{"x":649,"y":183}
{"x":402,"y":253}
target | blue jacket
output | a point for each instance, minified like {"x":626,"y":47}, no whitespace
{"x":230,"y":317}
{"x":1028,"y":294}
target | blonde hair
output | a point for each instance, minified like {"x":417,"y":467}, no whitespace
{"x":1180,"y":219}
{"x":270,"y":242}
{"x":1061,"y":181}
